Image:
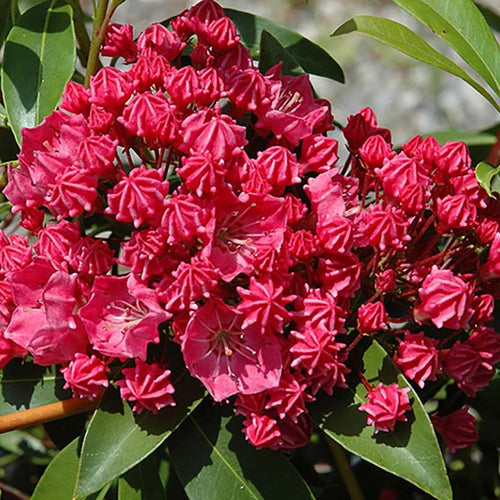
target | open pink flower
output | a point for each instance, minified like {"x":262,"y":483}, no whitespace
{"x":293,"y":113}
{"x":122,"y":317}
{"x":44,"y":321}
{"x":245,"y":225}
{"x":227,"y":358}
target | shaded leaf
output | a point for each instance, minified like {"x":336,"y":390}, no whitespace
{"x":64,"y":430}
{"x":487,"y":403}
{"x":271,"y":52}
{"x":118,"y":439}
{"x":39,"y":60}
{"x":142,"y":482}
{"x":488,"y":178}
{"x":8,"y":9}
{"x":8,"y":148}
{"x":461,"y":25}
{"x":411,"y":451}
{"x":24,"y":385}
{"x":492,"y":18}
{"x":210,"y":454}
{"x":400,"y":37}
{"x":313,"y":59}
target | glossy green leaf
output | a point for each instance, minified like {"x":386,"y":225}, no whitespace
{"x":462,"y":26}
{"x":272,"y":51}
{"x":58,"y":480}
{"x":142,"y":482}
{"x":213,"y":460}
{"x":488,"y":177}
{"x":39,"y":60}
{"x":25,"y":385}
{"x":313,"y":59}
{"x":411,"y":451}
{"x":403,"y":39}
{"x":118,"y":439}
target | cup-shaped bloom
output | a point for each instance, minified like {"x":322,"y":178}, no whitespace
{"x":228,"y":358}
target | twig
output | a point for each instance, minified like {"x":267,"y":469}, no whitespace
{"x":46,"y":413}
{"x":12,"y":492}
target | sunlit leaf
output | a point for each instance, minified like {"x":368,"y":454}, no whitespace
{"x":411,"y":451}
{"x":488,"y":177}
{"x":39,"y":59}
{"x":118,"y":439}
{"x":58,"y":480}
{"x":403,"y":39}
{"x":462,"y":26}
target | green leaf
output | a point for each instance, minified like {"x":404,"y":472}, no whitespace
{"x":482,"y":138}
{"x":58,"y":480}
{"x":8,"y":9}
{"x":210,"y":454}
{"x":25,"y":385}
{"x":411,"y":451}
{"x":24,"y":5}
{"x":142,"y":482}
{"x":271,"y":52}
{"x":461,"y":25}
{"x":313,"y":59}
{"x":118,"y":439}
{"x":492,"y":18}
{"x":403,"y":39}
{"x":3,"y":117}
{"x":488,"y":177}
{"x":20,"y":441}
{"x":39,"y":60}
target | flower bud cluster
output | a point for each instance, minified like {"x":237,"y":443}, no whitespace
{"x":188,"y":198}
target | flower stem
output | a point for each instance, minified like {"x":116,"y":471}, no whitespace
{"x":350,"y":481}
{"x":102,"y":16}
{"x":46,"y":413}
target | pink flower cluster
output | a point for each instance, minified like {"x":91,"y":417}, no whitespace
{"x":189,"y":198}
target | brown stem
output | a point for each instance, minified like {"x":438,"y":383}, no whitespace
{"x":46,"y":413}
{"x":12,"y":493}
